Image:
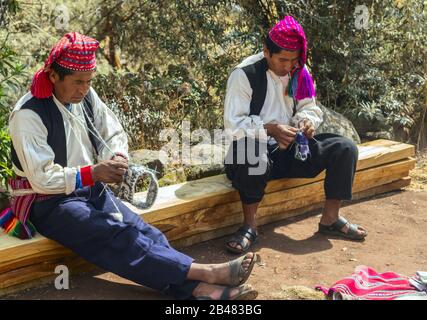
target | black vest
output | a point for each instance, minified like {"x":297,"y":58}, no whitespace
{"x":257,"y":76}
{"x":52,"y":119}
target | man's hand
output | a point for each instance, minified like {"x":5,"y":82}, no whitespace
{"x":120,"y":158}
{"x":307,"y":127}
{"x":109,"y":171}
{"x":283,"y":134}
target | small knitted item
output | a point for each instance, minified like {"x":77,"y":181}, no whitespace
{"x":302,"y":151}
{"x":127,"y":188}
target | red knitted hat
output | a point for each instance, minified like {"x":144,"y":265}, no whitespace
{"x":75,"y":52}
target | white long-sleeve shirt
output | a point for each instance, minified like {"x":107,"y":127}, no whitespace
{"x":29,"y":138}
{"x":277,"y":108}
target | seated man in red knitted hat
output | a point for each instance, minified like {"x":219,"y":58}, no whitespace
{"x":66,"y":145}
{"x":272,"y":93}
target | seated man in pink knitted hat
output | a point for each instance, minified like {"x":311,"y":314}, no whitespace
{"x":272,"y":92}
{"x":66,"y":145}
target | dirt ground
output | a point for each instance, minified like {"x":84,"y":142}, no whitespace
{"x":294,"y":257}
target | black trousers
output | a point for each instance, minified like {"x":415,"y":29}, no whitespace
{"x":333,"y":153}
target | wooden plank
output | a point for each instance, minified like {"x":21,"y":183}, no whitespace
{"x":227,"y":214}
{"x":14,"y":249}
{"x":220,"y":232}
{"x":46,"y":269}
{"x":171,"y":226}
{"x":211,"y":191}
{"x":395,"y":185}
{"x":57,"y":253}
{"x":372,"y":155}
{"x":41,"y":270}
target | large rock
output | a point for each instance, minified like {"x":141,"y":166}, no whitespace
{"x":206,"y":160}
{"x":200,"y":164}
{"x":147,"y":158}
{"x":333,"y":122}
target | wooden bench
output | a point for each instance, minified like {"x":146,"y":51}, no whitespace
{"x":204,"y":209}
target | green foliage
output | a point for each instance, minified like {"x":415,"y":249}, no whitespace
{"x":5,"y":163}
{"x":11,"y":71}
{"x":375,"y":73}
{"x":180,"y":74}
{"x":164,"y":61}
{"x":150,"y":101}
{"x":7,"y":9}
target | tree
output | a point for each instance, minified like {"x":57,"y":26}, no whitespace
{"x":10,"y":71}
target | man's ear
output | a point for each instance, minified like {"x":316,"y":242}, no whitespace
{"x":53,"y":77}
{"x":266,"y":51}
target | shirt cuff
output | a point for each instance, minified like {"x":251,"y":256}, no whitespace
{"x":70,"y":179}
{"x":86,"y":176}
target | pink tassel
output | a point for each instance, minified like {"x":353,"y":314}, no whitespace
{"x":305,"y":85}
{"x":41,"y":86}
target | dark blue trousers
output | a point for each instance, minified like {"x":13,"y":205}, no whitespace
{"x":88,"y":223}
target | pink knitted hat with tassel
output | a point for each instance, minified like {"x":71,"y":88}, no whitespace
{"x":289,"y":35}
{"x":74,"y":52}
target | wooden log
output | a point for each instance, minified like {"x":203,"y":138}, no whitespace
{"x":170,"y":226}
{"x":42,"y":256}
{"x":76,"y":264}
{"x":42,"y":269}
{"x":228,"y":214}
{"x":220,"y":232}
{"x":212,"y":191}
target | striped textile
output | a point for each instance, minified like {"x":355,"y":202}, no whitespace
{"x":21,"y":205}
{"x":14,"y":220}
{"x":366,"y":284}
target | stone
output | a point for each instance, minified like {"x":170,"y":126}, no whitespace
{"x":206,"y":160}
{"x":148,"y":158}
{"x":334,"y":122}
